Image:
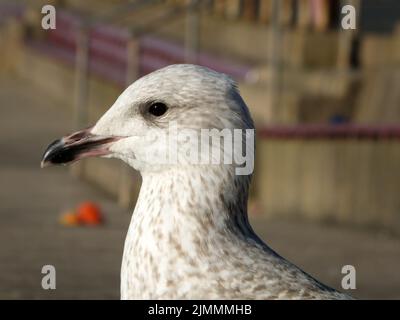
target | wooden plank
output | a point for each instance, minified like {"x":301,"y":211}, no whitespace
{"x":219,"y":7}
{"x":249,"y":10}
{"x":303,"y":14}
{"x":286,"y":13}
{"x":265,"y":11}
{"x":233,"y":9}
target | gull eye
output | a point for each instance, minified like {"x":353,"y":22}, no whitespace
{"x":158,"y":109}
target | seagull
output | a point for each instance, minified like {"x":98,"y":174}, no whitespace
{"x":189,"y":235}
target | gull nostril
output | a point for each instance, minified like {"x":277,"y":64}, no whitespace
{"x":79,"y":135}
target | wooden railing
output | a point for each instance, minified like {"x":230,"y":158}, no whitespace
{"x":313,"y":14}
{"x":347,"y":173}
{"x":326,"y":131}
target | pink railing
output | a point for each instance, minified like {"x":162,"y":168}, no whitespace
{"x":108,"y":51}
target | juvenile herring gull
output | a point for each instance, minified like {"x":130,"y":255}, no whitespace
{"x":189,"y":236}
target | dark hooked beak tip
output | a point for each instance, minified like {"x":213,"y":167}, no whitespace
{"x":56,"y":153}
{"x":79,"y":145}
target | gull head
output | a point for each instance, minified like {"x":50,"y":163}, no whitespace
{"x":180,"y":116}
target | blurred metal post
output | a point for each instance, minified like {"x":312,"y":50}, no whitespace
{"x":132,"y":59}
{"x":81,"y":112}
{"x":274,"y":62}
{"x":192,"y":31}
{"x":81,"y":78}
{"x":126,"y":185}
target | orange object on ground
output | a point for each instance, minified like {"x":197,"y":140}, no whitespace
{"x":89,"y":213}
{"x":69,"y":219}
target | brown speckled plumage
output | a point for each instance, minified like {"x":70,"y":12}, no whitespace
{"x":189,"y":236}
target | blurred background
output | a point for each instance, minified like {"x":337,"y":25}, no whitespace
{"x":326,"y":102}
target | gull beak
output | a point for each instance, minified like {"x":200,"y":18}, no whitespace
{"x":79,"y":145}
